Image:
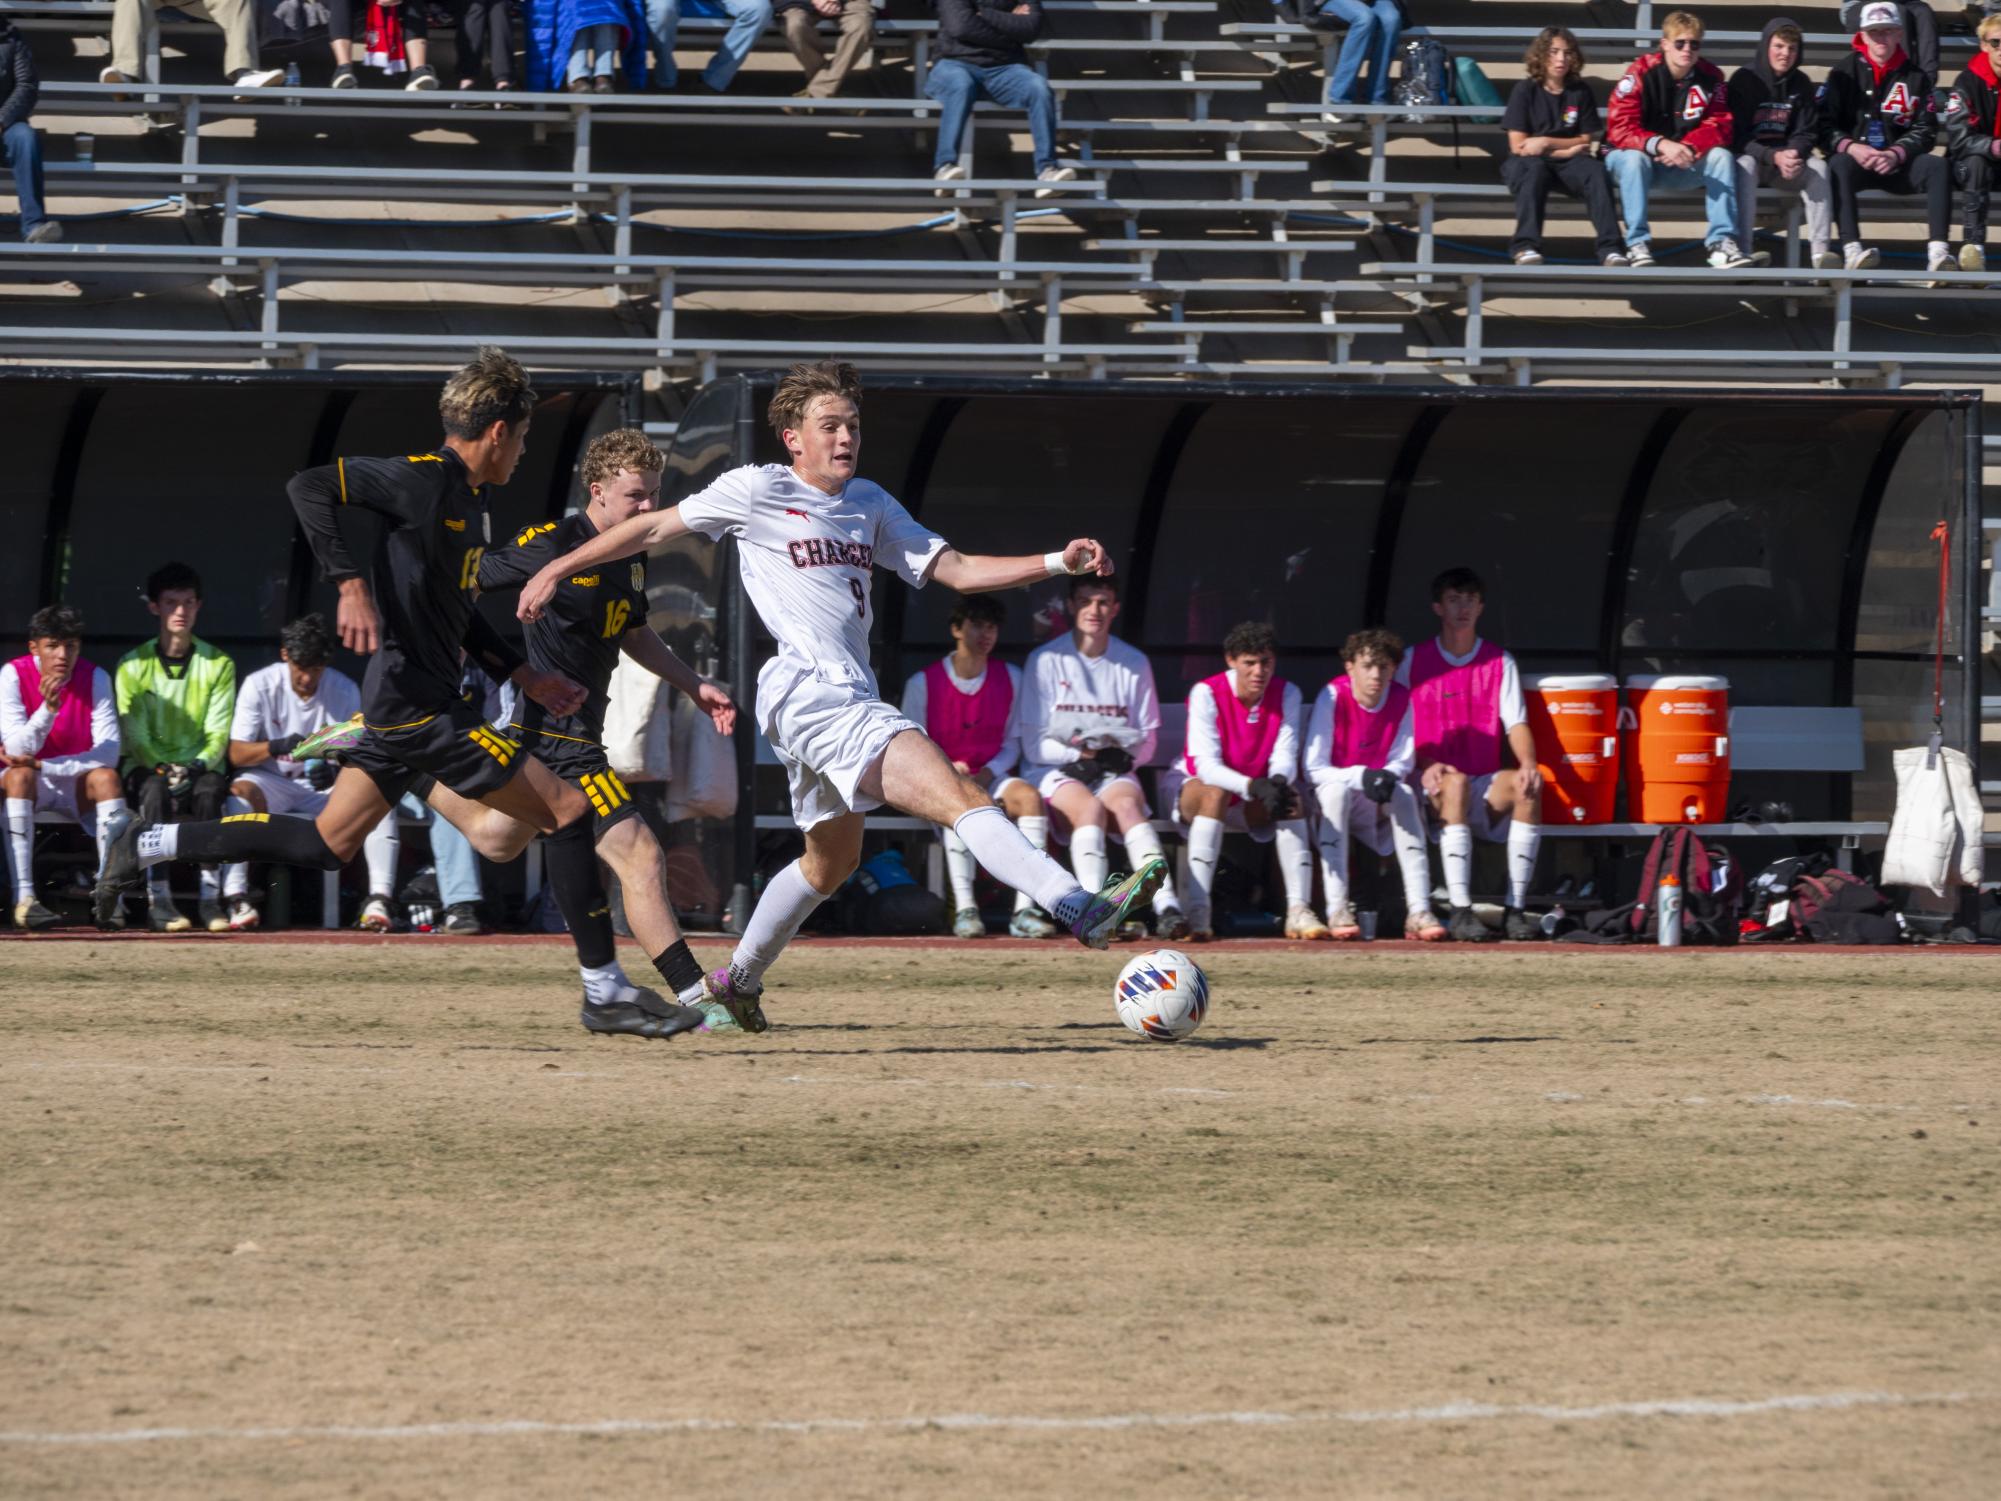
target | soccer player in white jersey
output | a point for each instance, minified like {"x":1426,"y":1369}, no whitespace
{"x":1466,"y":705}
{"x":1360,"y":752}
{"x":1240,"y":771}
{"x":1092,"y":715}
{"x":807,"y":537}
{"x":971,"y":705}
{"x":59,"y":734}
{"x":276,"y":708}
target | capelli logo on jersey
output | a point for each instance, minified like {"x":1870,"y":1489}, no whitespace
{"x":584,"y":580}
{"x":830,"y":552}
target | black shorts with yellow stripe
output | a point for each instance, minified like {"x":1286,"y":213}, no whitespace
{"x":584,"y":763}
{"x":457,"y":747}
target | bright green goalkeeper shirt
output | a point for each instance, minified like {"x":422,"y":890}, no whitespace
{"x":167,"y":718}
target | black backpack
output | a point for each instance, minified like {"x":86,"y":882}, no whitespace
{"x":1710,"y":889}
{"x":1802,"y":897}
{"x":1427,"y":75}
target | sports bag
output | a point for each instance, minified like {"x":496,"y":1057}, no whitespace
{"x":1427,"y":76}
{"x":1710,"y":890}
{"x":1471,"y":86}
{"x":1803,"y":898}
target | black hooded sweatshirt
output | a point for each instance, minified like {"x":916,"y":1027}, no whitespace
{"x":20,"y":84}
{"x":1773,"y":111}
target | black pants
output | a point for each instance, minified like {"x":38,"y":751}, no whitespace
{"x":485,"y":26}
{"x":1581,"y":176}
{"x":1971,"y":174}
{"x":199,"y":799}
{"x":1928,"y":175}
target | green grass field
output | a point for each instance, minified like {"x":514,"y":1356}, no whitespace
{"x":381,"y":1220}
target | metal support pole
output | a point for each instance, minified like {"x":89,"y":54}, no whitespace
{"x":1475,"y":295}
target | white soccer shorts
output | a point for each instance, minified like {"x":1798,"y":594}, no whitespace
{"x":1173,"y":778}
{"x":1480,"y":815}
{"x":828,"y":735}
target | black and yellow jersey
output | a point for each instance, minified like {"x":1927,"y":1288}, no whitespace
{"x":424,"y":574}
{"x":578,"y":631}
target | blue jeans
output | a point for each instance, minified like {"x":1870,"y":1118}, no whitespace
{"x":24,"y":156}
{"x":603,"y":40}
{"x":452,"y":855}
{"x":1373,"y":28}
{"x":747,"y":19}
{"x":1715,"y":172}
{"x":1011,"y":85}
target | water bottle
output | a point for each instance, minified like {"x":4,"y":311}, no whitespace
{"x":1667,"y":911}
{"x":292,"y":82}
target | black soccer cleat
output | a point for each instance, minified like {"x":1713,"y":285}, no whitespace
{"x":1464,"y":927}
{"x":1518,"y":927}
{"x":643,"y":1013}
{"x":122,"y":871}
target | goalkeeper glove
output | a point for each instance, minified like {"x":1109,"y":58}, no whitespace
{"x":1379,"y":786}
{"x":1272,"y":792}
{"x":1090,"y":773}
{"x":1114,"y":760}
{"x":320,"y":774}
{"x":282,"y":746}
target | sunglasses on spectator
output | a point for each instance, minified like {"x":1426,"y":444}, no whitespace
{"x":1990,"y":41}
{"x":1686,"y":44}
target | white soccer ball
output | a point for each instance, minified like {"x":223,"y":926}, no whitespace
{"x":1162,"y":995}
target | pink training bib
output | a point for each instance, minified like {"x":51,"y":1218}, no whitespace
{"x":968,"y":727}
{"x":71,"y":734}
{"x":1248,"y":731}
{"x":1364,"y":737}
{"x":1456,"y":711}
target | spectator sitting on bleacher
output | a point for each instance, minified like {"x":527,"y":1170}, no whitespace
{"x":1550,"y":121}
{"x":175,"y":697}
{"x":1240,"y":770}
{"x":801,"y":19}
{"x":1373,"y":27}
{"x":1878,"y":130}
{"x":59,"y":733}
{"x":485,"y":27}
{"x":1772,"y":110}
{"x":982,"y":49}
{"x":1669,"y":122}
{"x":1090,"y":714}
{"x":135,"y":36}
{"x":276,"y":708}
{"x":1972,"y":112}
{"x":398,"y":32}
{"x":20,"y":87}
{"x":971,"y":706}
{"x":748,"y":18}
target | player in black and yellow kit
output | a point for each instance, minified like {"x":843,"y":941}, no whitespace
{"x":591,"y":620}
{"x":416,"y":732}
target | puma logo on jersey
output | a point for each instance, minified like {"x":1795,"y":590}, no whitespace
{"x":830,"y":552}
{"x":800,"y":514}
{"x":1697,"y":103}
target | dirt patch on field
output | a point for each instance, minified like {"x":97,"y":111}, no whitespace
{"x":1424,"y":1223}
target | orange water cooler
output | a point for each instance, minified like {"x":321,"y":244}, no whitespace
{"x":1574,"y":718}
{"x":1677,"y":749}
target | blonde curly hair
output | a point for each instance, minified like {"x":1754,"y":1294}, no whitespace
{"x":621,"y":448}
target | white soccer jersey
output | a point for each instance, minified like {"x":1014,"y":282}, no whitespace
{"x":1320,"y":767}
{"x":266,"y":708}
{"x":1064,"y":688}
{"x":917,"y":704}
{"x":806,"y":558}
{"x":1205,"y":740}
{"x":1514,"y":708}
{"x":24,"y":733}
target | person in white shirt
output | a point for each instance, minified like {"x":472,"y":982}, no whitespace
{"x":1091,"y":717}
{"x":971,"y":706}
{"x":1239,"y":771}
{"x":276,"y":708}
{"x":808,"y":536}
{"x":1360,"y":751}
{"x":1467,"y":709}
{"x":59,"y":732}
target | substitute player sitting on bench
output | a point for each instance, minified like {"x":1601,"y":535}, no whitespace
{"x":1359,"y":755}
{"x":1466,"y":701}
{"x":972,"y":712}
{"x":1240,"y":770}
{"x":1092,"y":714}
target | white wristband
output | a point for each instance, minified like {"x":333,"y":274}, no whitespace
{"x":1053,"y":561}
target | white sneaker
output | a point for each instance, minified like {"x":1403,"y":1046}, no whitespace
{"x":1973,"y":257}
{"x":258,"y":78}
{"x":1825,"y":259}
{"x":1528,"y":257}
{"x":376,"y":915}
{"x":1855,"y":256}
{"x":1725,"y":256}
{"x":1640,"y":255}
{"x":1054,"y":175}
{"x":950,"y":172}
{"x":242,"y":916}
{"x":1617,"y":259}
{"x":112,"y":75}
{"x":1940,"y":259}
{"x":213,"y":918}
{"x":49,"y":231}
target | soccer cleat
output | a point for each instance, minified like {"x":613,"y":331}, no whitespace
{"x":967,"y":923}
{"x":377,"y":916}
{"x":462,"y":918}
{"x":1423,"y":927}
{"x":1202,"y":932}
{"x":1104,"y":913}
{"x":213,"y":918}
{"x":1464,"y":927}
{"x":329,"y":740}
{"x":1132,"y":930}
{"x":242,"y":915}
{"x":1640,"y":255}
{"x":162,"y":916}
{"x":1168,"y":923}
{"x":1725,"y":256}
{"x":640,"y":1012}
{"x":1032,"y":922}
{"x":1301,"y":923}
{"x":1341,"y":924}
{"x":1518,"y":927}
{"x":744,"y":1007}
{"x":1972,"y":257}
{"x":121,"y":870}
{"x":1528,"y":257}
{"x":1855,"y":256}
{"x":31,"y":916}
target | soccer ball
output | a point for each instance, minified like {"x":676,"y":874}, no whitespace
{"x":1162,"y":995}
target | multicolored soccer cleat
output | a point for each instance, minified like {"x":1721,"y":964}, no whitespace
{"x":330,"y":740}
{"x":1104,"y":913}
{"x":721,"y":999}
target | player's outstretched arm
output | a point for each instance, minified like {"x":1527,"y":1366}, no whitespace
{"x":975,"y":573}
{"x":645,"y":647}
{"x":634,"y":534}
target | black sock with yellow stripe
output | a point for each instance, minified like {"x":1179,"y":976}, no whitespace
{"x":255,"y":836}
{"x":570,"y":855}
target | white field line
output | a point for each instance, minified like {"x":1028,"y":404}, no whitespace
{"x":1003,"y":1084}
{"x":1448,"y":1412}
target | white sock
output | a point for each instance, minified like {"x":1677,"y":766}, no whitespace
{"x":1087,"y":857}
{"x":1035,"y":829}
{"x":1524,"y":839}
{"x":236,"y":881}
{"x":107,"y":810}
{"x":159,"y":844}
{"x":1142,"y":845}
{"x":787,"y":902}
{"x":1000,"y":847}
{"x":959,"y":868}
{"x":1205,"y":849}
{"x":603,"y":986}
{"x":211,"y":883}
{"x":235,"y":878}
{"x":1295,"y":862}
{"x":1413,"y":860}
{"x":1455,"y":847}
{"x":1936,"y":248}
{"x":380,"y":850}
{"x":21,"y":845}
{"x":1334,"y":846}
